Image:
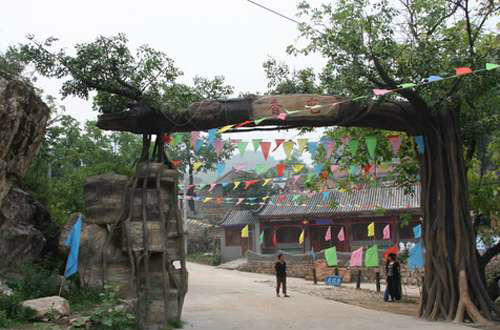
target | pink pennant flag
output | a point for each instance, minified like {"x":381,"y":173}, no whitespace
{"x":212,"y":186}
{"x":278,"y":143}
{"x":356,"y":258}
{"x":190,"y":186}
{"x":341,"y":235}
{"x":345,"y":140}
{"x":281,"y":116}
{"x":334,"y":169}
{"x":295,"y":179}
{"x":219,"y":144}
{"x":194,"y":137}
{"x":240,"y":200}
{"x":328,"y":235}
{"x":265,"y":147}
{"x":329,"y":149}
{"x":395,"y":141}
{"x":387,"y":232}
{"x":380,"y":92}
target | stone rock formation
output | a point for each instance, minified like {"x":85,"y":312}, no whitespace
{"x":23,"y":120}
{"x":48,"y":307}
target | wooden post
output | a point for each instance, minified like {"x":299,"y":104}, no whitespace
{"x":377,"y":281}
{"x":315,"y":279}
{"x":336,"y":271}
{"x":358,"y":280}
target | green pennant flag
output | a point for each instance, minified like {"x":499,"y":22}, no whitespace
{"x":256,"y":144}
{"x":492,"y":66}
{"x":242,"y":146}
{"x":261,"y":168}
{"x":360,"y":98}
{"x":371,"y":144}
{"x":353,"y":146}
{"x":331,"y":256}
{"x":407,"y":85}
{"x":261,"y":238}
{"x":260,"y":120}
{"x":371,"y":257}
{"x":177,"y":140}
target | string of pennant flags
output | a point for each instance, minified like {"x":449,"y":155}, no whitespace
{"x":459,"y":72}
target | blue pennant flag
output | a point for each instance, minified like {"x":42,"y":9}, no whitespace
{"x":313,"y":147}
{"x":198,"y":145}
{"x":212,"y":135}
{"x":318,"y":168}
{"x":417,"y":231}
{"x":73,"y":241}
{"x":326,"y":195}
{"x":420,"y":144}
{"x":220,"y":169}
{"x":225,"y":184}
{"x":434,"y":78}
{"x":416,"y":258}
{"x":313,"y":254}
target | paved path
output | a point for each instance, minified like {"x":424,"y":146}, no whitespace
{"x":220,"y":299}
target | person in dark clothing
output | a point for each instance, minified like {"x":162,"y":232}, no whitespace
{"x":393,"y":275}
{"x":280,"y":268}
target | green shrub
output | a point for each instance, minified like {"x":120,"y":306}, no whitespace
{"x":35,"y":281}
{"x":11,"y":309}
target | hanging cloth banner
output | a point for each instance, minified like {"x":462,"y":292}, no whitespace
{"x":225,"y":128}
{"x":297,"y":167}
{"x":261,"y":168}
{"x":393,"y":249}
{"x":371,"y":229}
{"x":331,"y":256}
{"x":301,"y":238}
{"x":356,"y":258}
{"x":275,"y":240}
{"x":416,"y":258}
{"x":371,"y":257}
{"x":334,"y":169}
{"x":280,"y":168}
{"x":395,"y":141}
{"x":419,"y":140}
{"x":434,"y":78}
{"x":198,"y":145}
{"x":407,"y":85}
{"x":246,"y":122}
{"x":256,"y":144}
{"x":329,"y":149}
{"x":302,"y":145}
{"x":177,"y":139}
{"x":371,"y":145}
{"x":328,"y":234}
{"x":345,"y":140}
{"x":197,"y":165}
{"x":417,"y":231}
{"x":242,"y":146}
{"x":278,"y":143}
{"x":318,"y":168}
{"x":367,"y":169}
{"x":380,"y":92}
{"x":462,"y":71}
{"x":492,"y":66}
{"x":261,"y":238}
{"x":219,"y":145}
{"x":312,"y":147}
{"x":220,"y":169}
{"x":387,"y":231}
{"x":244,"y":232}
{"x":353,"y":146}
{"x":341,"y":235}
{"x":194,"y":137}
{"x":326,"y":196}
{"x":249,"y":183}
{"x":288,"y":146}
{"x":212,"y":135}
{"x":265,"y":147}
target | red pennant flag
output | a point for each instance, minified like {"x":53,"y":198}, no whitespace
{"x":392,"y":249}
{"x":280,"y":168}
{"x":367,"y":168}
{"x":462,"y":71}
{"x":249,"y":183}
{"x":246,"y":122}
{"x":218,"y":201}
{"x":395,"y":141}
{"x":265,"y":147}
{"x":176,"y":163}
{"x":166,"y":138}
{"x":278,"y":143}
{"x":281,"y":198}
{"x":275,"y":240}
{"x":194,"y":137}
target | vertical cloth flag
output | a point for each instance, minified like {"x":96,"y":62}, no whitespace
{"x":371,"y":257}
{"x":395,"y":141}
{"x":417,"y":231}
{"x":313,"y":147}
{"x":256,"y":144}
{"x":416,"y":258}
{"x":244,"y":232}
{"x":331,"y":256}
{"x":387,"y":232}
{"x":371,"y":145}
{"x":73,"y":241}
{"x":302,"y":145}
{"x":341,"y":235}
{"x":219,"y":144}
{"x":301,"y":237}
{"x":392,"y":249}
{"x":242,"y":147}
{"x":194,"y":137}
{"x":356,"y":258}
{"x":265,"y":147}
{"x":371,"y":229}
{"x":353,"y":146}
{"x":288,"y":146}
{"x":280,"y":168}
{"x":419,"y":140}
{"x":261,"y":238}
{"x":275,"y":239}
{"x":328,"y":235}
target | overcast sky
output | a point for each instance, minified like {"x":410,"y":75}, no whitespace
{"x":206,"y":38}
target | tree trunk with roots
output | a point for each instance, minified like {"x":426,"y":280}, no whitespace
{"x":452,"y":288}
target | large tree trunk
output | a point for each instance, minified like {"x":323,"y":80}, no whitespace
{"x":452,"y":289}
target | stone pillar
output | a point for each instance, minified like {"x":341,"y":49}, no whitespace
{"x":258,"y":246}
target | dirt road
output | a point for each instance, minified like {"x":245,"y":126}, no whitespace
{"x":220,"y":299}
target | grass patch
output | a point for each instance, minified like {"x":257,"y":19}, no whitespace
{"x":174,"y":324}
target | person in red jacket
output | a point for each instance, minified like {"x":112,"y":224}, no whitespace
{"x":280,"y":268}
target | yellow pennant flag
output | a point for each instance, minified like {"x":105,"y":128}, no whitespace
{"x":196,"y":166}
{"x":236,"y":184}
{"x":225,"y":128}
{"x":302,"y":145}
{"x":207,"y":199}
{"x":371,"y":229}
{"x":244,"y":232}
{"x":288,"y":146}
{"x":298,"y":167}
{"x":265,"y":198}
{"x":266,"y":181}
{"x":301,"y":238}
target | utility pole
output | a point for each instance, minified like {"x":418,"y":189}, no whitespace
{"x":184,"y":212}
